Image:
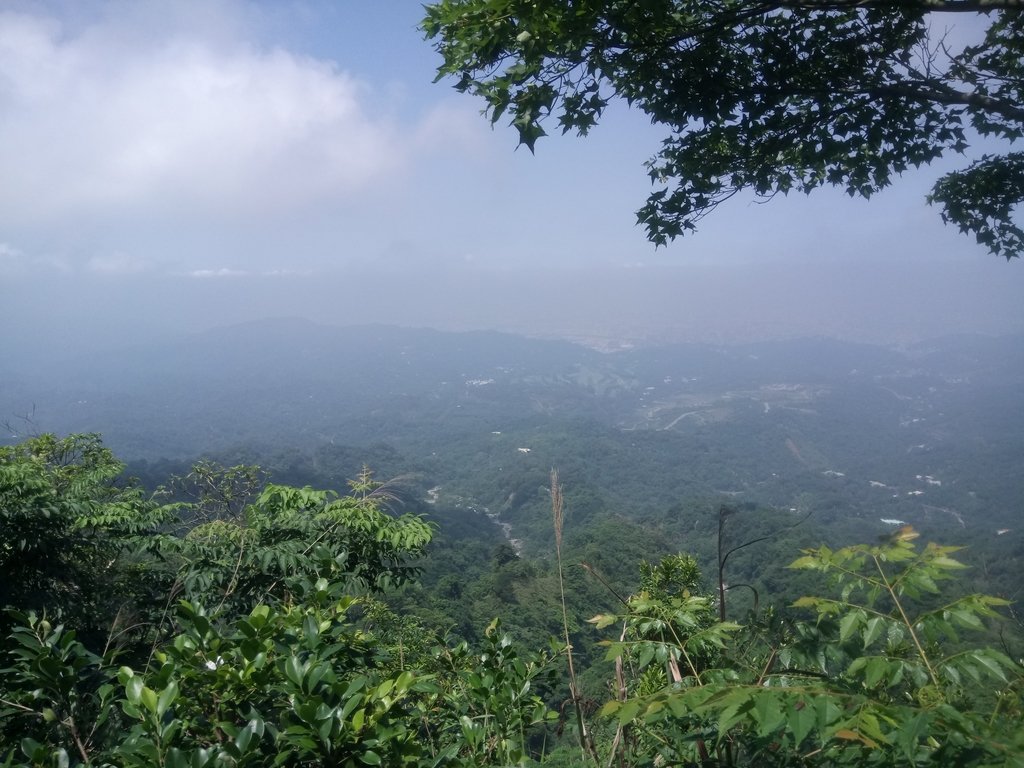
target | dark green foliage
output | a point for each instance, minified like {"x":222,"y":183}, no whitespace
{"x":771,"y":96}
{"x":982,"y":198}
{"x":280,"y":653}
{"x":288,"y":685}
{"x":878,"y":677}
{"x":496,"y":699}
{"x":290,"y":533}
{"x":71,"y":532}
{"x":269,"y":660}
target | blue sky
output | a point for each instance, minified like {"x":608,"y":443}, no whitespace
{"x":223,"y":140}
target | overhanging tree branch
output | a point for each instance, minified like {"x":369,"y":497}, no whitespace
{"x":943,"y":6}
{"x":771,"y":96}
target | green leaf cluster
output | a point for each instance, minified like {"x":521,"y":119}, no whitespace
{"x":774,"y":97}
{"x":881,"y":675}
{"x":269,"y":651}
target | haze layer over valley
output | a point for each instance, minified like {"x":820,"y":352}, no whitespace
{"x":603,"y":306}
{"x":929,"y":433}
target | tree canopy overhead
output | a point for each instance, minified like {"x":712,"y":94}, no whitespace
{"x":768,"y":95}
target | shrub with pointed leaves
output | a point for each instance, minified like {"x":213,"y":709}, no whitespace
{"x":880,"y":676}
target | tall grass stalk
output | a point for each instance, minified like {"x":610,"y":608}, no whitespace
{"x":558,"y":518}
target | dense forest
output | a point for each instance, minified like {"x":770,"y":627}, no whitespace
{"x":477,"y":549}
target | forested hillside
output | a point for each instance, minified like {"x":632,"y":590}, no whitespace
{"x":802,"y":442}
{"x":247,"y":623}
{"x":932,"y":432}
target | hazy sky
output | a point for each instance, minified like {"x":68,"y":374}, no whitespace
{"x":288,"y":156}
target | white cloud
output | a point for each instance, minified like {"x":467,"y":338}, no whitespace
{"x":457,"y":126}
{"x":15,"y":261}
{"x":222,"y":272}
{"x":286,"y":273}
{"x":9,"y":254}
{"x":118,"y":263}
{"x":230,"y":272}
{"x":12,"y":261}
{"x":172,"y":127}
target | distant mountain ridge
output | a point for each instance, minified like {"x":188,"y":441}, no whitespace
{"x":350,"y":371}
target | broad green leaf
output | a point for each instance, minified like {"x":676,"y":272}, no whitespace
{"x":876,"y":669}
{"x":993,"y":662}
{"x":768,"y":712}
{"x":909,"y":734}
{"x":807,"y":561}
{"x":628,"y":711}
{"x":167,"y":697}
{"x":848,"y":624}
{"x":293,"y":668}
{"x":801,"y":720}
{"x":872,"y":630}
{"x":133,"y":689}
{"x":737,"y":705}
{"x":603,"y":620}
{"x":149,"y":699}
